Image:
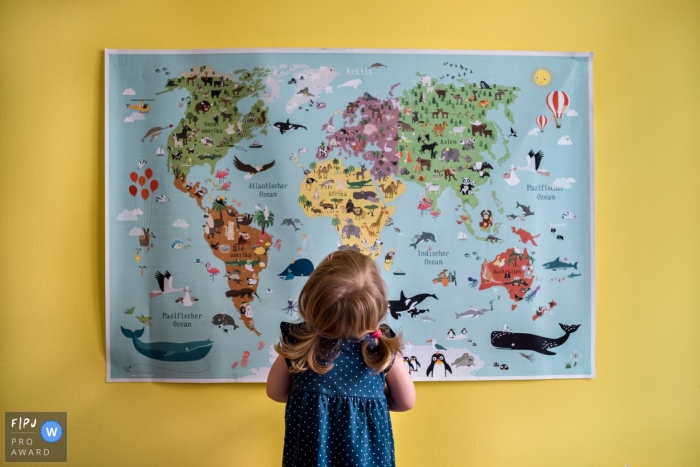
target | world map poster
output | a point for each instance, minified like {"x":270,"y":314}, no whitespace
{"x":467,"y":176}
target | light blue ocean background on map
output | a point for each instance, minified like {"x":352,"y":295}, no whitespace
{"x":129,"y":288}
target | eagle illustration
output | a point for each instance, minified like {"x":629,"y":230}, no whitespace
{"x":249,"y":168}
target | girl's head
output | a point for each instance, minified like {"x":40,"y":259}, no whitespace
{"x":345,"y":297}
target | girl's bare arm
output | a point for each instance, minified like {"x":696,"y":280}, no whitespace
{"x":279,"y":381}
{"x":400,"y":391}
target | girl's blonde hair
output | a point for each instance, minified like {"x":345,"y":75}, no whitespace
{"x":344,"y":297}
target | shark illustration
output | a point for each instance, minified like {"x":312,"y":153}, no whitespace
{"x":472,"y":312}
{"x":557,"y":264}
{"x":286,"y":126}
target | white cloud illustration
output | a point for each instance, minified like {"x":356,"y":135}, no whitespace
{"x":534,"y":132}
{"x":565,"y":183}
{"x":134,"y":116}
{"x":181,"y":223}
{"x":565,"y":141}
{"x":571,"y":113}
{"x":136,"y":232}
{"x":127,"y":215}
{"x":129,"y":92}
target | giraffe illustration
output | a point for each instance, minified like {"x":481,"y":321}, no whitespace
{"x":374,"y":231}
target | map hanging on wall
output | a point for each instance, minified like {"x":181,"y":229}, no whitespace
{"x":466,"y":176}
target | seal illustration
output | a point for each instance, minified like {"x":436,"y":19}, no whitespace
{"x":522,"y":341}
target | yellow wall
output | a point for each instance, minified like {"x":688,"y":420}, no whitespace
{"x":643,"y":408}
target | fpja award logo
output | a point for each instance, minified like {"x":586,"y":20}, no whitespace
{"x":36,"y":436}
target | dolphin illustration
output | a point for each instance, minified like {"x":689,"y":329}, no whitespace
{"x":169,"y":351}
{"x":424,"y":237}
{"x":522,"y":341}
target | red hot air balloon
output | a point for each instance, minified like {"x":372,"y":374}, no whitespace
{"x":542,"y":121}
{"x":558,"y":102}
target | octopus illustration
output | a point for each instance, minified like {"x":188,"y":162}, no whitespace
{"x":291,"y":307}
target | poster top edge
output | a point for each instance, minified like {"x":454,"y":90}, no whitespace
{"x":347,"y":51}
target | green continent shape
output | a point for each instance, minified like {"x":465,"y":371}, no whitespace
{"x":455,"y":109}
{"x":224,"y":122}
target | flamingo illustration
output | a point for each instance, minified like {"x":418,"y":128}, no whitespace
{"x":424,"y":205}
{"x":222,"y":174}
{"x":226,"y":185}
{"x":212,"y":271}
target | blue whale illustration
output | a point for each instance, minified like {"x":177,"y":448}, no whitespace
{"x":169,"y":351}
{"x":301,"y":267}
{"x":522,"y":341}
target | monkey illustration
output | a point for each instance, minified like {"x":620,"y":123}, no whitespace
{"x":487,"y":219}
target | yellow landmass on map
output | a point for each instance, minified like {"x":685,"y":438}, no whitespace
{"x":356,"y":204}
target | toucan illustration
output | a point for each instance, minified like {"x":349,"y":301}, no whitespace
{"x":438,"y":359}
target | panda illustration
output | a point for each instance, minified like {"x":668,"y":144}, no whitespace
{"x":467,"y":186}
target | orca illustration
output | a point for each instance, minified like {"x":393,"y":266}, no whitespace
{"x":286,"y":126}
{"x":522,"y":341}
{"x":407,"y":304}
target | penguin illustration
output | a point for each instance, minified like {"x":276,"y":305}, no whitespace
{"x":438,"y":359}
{"x":408,"y":364}
{"x":415,"y":363}
{"x":451,"y":334}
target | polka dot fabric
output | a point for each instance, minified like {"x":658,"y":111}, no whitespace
{"x":340,"y":418}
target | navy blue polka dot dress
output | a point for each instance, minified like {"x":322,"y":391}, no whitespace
{"x":340,"y":418}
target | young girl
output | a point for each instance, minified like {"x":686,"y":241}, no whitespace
{"x":336,"y":369}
